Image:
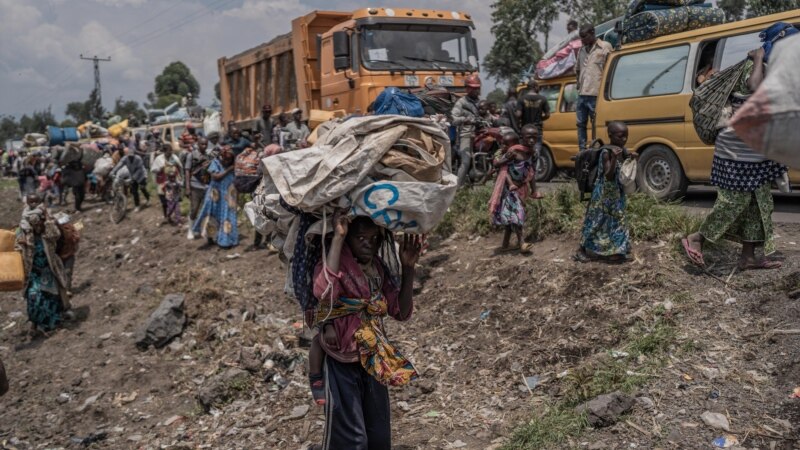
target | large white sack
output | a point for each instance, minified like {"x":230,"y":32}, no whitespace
{"x":770,"y":120}
{"x":212,"y":123}
{"x":313,"y":177}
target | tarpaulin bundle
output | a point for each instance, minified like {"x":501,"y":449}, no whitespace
{"x":395,"y":101}
{"x":393,"y":169}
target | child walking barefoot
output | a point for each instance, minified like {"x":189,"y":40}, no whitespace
{"x":516,"y":178}
{"x":605,"y":228}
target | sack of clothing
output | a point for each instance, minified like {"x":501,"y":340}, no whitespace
{"x":212,"y":123}
{"x":709,"y":100}
{"x":768,"y":122}
{"x":103,"y":166}
{"x":562,"y":62}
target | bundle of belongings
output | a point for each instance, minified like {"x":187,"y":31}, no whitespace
{"x":768,"y":121}
{"x":562,"y":58}
{"x":12,"y":274}
{"x":649,"y":19}
{"x":393,"y":169}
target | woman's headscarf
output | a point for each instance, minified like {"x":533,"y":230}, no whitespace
{"x":773,"y":34}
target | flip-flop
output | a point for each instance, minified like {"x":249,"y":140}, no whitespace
{"x":693,"y":255}
{"x":764,"y":264}
{"x":581,"y":258}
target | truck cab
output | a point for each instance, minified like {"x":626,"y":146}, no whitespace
{"x":382,"y":47}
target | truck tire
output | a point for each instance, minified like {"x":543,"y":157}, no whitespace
{"x":660,"y":173}
{"x":545,"y":166}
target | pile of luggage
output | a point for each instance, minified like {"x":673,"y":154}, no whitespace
{"x":562,"y":58}
{"x":649,"y":19}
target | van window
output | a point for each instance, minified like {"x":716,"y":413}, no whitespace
{"x":737,"y":47}
{"x":550,"y":92}
{"x":570,"y":101}
{"x":650,"y":73}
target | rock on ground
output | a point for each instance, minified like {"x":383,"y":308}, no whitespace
{"x":164,"y":323}
{"x":223,"y":387}
{"x":604,"y":410}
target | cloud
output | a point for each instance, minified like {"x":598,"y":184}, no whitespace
{"x":267,"y":9}
{"x":121,"y":3}
{"x":28,"y":76}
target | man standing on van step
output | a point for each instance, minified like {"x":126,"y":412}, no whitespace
{"x":591,"y":61}
{"x":465,"y":116}
{"x":533,"y":109}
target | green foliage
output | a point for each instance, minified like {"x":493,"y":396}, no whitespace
{"x":67,"y":123}
{"x":91,"y":109}
{"x":126,"y":108}
{"x":561,"y":212}
{"x":216,"y":90}
{"x":757,"y":8}
{"x":11,"y":128}
{"x":497,"y":96}
{"x":556,"y":425}
{"x":514,"y":26}
{"x":595,"y":11}
{"x":176,"y":80}
{"x":734,"y":9}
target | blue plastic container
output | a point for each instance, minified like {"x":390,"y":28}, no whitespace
{"x":56,"y":135}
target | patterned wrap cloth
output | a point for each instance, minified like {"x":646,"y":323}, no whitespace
{"x":378,"y":355}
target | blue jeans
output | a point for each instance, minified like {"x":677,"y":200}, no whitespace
{"x":585,"y":109}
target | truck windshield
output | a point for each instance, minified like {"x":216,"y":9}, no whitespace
{"x":417,"y":47}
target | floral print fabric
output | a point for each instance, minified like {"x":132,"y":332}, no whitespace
{"x":217,"y":217}
{"x":742,"y":217}
{"x":605,"y":227}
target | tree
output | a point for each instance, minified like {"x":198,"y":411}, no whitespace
{"x":595,"y":11}
{"x":497,"y":95}
{"x":734,"y":9}
{"x":515,"y":48}
{"x":126,"y":108}
{"x":9,"y":129}
{"x":37,"y":122}
{"x":91,"y":109}
{"x":216,"y":90}
{"x":757,"y":8}
{"x":174,"y":82}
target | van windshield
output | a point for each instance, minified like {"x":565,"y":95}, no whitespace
{"x":417,"y":47}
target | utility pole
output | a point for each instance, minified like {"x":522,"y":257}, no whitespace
{"x":97,"y":62}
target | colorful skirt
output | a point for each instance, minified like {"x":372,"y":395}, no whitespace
{"x":511,"y":210}
{"x":217,"y":218}
{"x":44,"y":305}
{"x":742,"y":217}
{"x":605,"y":228}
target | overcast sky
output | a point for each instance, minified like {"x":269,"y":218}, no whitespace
{"x":41,"y":40}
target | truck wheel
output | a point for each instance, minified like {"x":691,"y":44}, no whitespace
{"x":660,"y":173}
{"x":545,"y":166}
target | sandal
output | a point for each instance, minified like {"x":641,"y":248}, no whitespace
{"x":693,"y":255}
{"x":581,"y":257}
{"x":526,"y":248}
{"x":763,"y":264}
{"x":317,"y":383}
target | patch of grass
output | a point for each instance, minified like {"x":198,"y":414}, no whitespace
{"x":8,"y":183}
{"x":555,"y":426}
{"x":560,"y":422}
{"x":561,"y":212}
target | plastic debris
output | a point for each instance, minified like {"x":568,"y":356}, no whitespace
{"x":795,"y":393}
{"x":726,"y":441}
{"x":714,"y":394}
{"x":432,"y":414}
{"x":532,"y":382}
{"x":619,"y":354}
{"x":485,"y":314}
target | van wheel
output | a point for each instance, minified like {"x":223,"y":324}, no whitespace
{"x":545,"y":167}
{"x":660,"y":173}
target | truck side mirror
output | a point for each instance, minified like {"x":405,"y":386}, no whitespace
{"x":341,"y":44}
{"x":341,"y":63}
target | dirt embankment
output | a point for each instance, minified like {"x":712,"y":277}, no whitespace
{"x":482,"y":323}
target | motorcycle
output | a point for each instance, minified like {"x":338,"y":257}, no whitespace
{"x":485,"y":143}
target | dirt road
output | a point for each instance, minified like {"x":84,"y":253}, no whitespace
{"x":481,"y":323}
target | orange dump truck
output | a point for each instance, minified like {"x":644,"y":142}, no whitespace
{"x":340,"y":61}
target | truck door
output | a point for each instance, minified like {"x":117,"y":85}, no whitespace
{"x":336,"y":92}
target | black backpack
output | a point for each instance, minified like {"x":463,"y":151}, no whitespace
{"x":586,"y":167}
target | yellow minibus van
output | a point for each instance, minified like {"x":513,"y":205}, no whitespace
{"x":648,"y":85}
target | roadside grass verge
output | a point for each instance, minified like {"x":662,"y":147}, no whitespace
{"x":561,"y":212}
{"x":648,"y":346}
